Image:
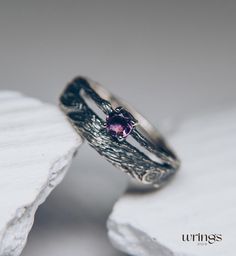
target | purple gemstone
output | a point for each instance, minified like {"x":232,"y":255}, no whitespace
{"x":118,"y":125}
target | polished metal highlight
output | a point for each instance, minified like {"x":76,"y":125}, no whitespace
{"x":120,"y":153}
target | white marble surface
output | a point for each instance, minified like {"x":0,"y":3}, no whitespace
{"x":200,"y":199}
{"x":36,"y":147}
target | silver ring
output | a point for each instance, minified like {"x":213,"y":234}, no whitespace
{"x":110,"y":137}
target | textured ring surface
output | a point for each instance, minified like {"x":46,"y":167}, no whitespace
{"x":109,"y":137}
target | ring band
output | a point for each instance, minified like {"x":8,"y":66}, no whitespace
{"x":110,"y":138}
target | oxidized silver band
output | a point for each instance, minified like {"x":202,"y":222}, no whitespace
{"x":109,"y":137}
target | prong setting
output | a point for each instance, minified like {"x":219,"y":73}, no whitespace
{"x":120,"y":123}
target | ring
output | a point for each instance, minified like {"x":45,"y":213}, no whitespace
{"x":124,"y":137}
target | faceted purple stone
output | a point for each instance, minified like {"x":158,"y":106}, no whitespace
{"x":118,"y":125}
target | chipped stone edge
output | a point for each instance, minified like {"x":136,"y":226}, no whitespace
{"x":129,"y":239}
{"x":17,"y":229}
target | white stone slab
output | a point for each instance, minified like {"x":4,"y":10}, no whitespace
{"x":200,"y":199}
{"x":36,"y":147}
